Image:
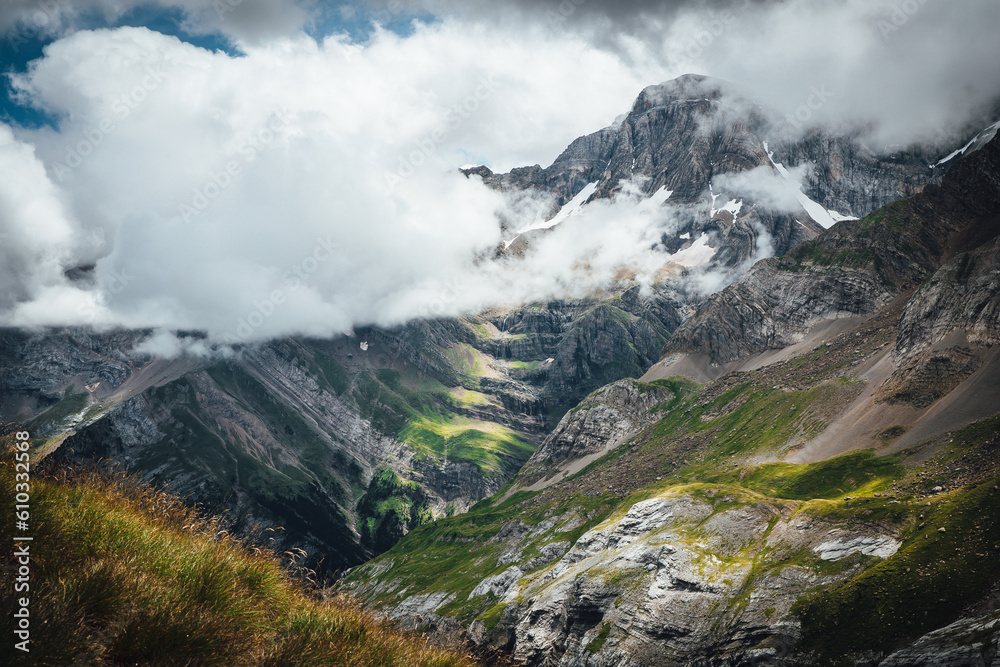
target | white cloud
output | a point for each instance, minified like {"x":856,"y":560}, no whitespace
{"x":272,"y":193}
{"x":915,"y":71}
{"x":308,"y":187}
{"x":38,"y":233}
{"x":243,"y":21}
{"x":765,"y":187}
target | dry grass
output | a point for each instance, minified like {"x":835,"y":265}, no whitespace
{"x":123,"y":573}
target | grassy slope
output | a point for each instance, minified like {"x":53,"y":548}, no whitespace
{"x":306,"y":485}
{"x":700,"y":446}
{"x":124,"y":574}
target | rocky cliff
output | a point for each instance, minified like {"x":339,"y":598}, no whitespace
{"x":831,"y":497}
{"x":690,"y":136}
{"x":852,"y":269}
{"x":292,"y":433}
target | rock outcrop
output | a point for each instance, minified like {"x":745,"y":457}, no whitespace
{"x":738,"y":523}
{"x":687,"y":135}
{"x":854,"y":268}
{"x":602,"y":421}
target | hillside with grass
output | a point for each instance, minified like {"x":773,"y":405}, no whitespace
{"x":696,"y":531}
{"x":809,"y":476}
{"x":122,"y":573}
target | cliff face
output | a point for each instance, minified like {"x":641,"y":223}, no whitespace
{"x":948,"y":328}
{"x":689,"y":136}
{"x":572,"y":348}
{"x":291,"y":433}
{"x":830,"y":497}
{"x":852,"y":269}
{"x":286,"y":434}
{"x":602,"y":421}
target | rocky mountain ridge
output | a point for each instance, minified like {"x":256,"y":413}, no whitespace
{"x":830,"y":497}
{"x":296,"y":433}
{"x":686,"y":135}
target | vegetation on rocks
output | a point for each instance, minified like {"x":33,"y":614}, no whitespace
{"x":122,"y":573}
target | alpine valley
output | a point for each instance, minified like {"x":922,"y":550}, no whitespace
{"x":785,"y":452}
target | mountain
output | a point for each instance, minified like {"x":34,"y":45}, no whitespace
{"x":809,"y":476}
{"x":683,"y":137}
{"x":294,"y":433}
{"x":348,"y":444}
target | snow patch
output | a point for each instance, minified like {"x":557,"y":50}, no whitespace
{"x":655,"y":201}
{"x":571,"y":208}
{"x":991,"y":131}
{"x":815,"y":210}
{"x":698,"y":253}
{"x":840,"y":217}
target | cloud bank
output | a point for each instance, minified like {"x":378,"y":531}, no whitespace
{"x":304,"y":188}
{"x":309,"y":187}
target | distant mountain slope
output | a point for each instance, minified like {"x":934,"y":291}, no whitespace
{"x":830,"y":497}
{"x":349,"y":448}
{"x":852,"y":269}
{"x":293,"y":433}
{"x":686,"y":135}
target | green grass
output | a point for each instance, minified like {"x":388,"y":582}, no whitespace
{"x":491,"y":447}
{"x":465,"y":360}
{"x":124,"y":574}
{"x":389,"y":509}
{"x":72,"y":403}
{"x":454,"y":554}
{"x":923,"y":587}
{"x":466,"y":398}
{"x":492,"y":616}
{"x":602,"y":636}
{"x":331,"y":372}
{"x":857,"y":473}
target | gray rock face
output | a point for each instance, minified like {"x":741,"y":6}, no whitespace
{"x":583,"y":345}
{"x":947,"y":328}
{"x":850,"y":178}
{"x":276,"y":436}
{"x":853,"y":268}
{"x":600,"y":421}
{"x":970,"y":642}
{"x":37,"y":369}
{"x":771,"y":307}
{"x":682,"y":135}
{"x":498,"y":584}
{"x":842,"y":546}
{"x":655,"y":586}
{"x":962,"y":298}
{"x":201,"y":427}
